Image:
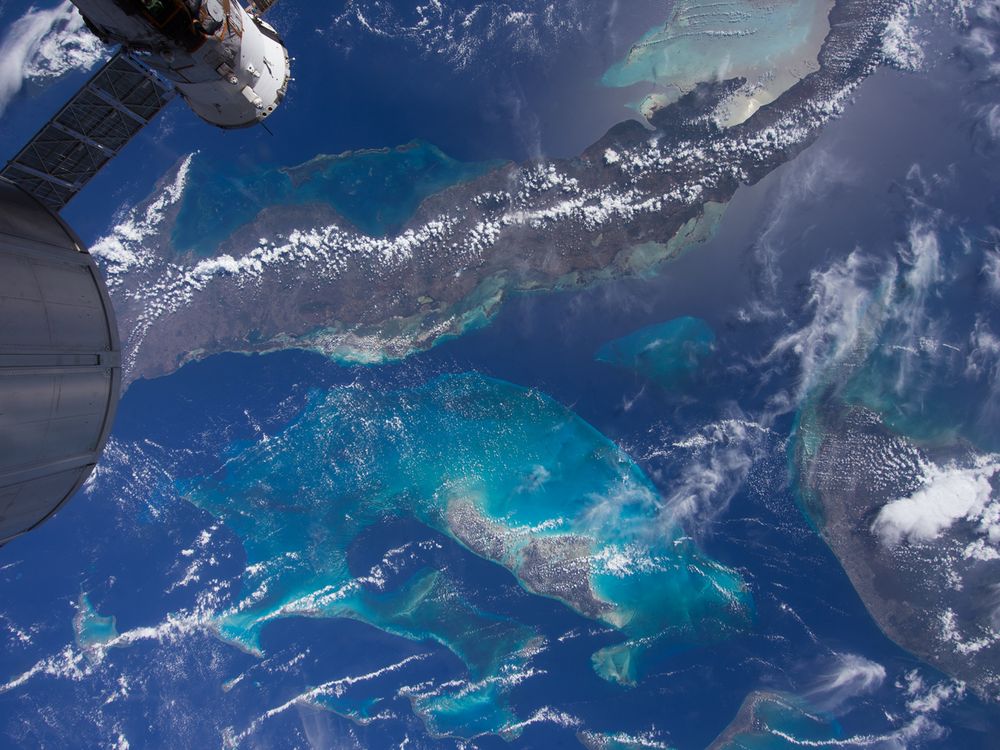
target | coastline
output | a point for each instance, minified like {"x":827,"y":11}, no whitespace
{"x":303,"y":277}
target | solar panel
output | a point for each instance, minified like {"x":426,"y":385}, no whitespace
{"x":97,"y":123}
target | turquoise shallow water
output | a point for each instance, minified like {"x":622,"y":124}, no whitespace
{"x":668,"y":353}
{"x":92,"y":629}
{"x":706,"y":39}
{"x":515,"y":476}
{"x":933,"y":404}
{"x":376,"y":190}
{"x":781,"y":721}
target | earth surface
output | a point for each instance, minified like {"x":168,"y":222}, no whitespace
{"x":585,"y":374}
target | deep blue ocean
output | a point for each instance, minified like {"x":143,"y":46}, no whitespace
{"x":124,"y":543}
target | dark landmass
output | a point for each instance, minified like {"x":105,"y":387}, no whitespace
{"x":555,"y":566}
{"x":561,"y":567}
{"x":302,"y":277}
{"x":933,"y":599}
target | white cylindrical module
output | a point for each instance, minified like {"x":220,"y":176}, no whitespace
{"x":230,"y":66}
{"x":251,"y":69}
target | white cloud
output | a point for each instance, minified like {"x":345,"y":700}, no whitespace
{"x":921,"y":271}
{"x":44,"y":45}
{"x":854,"y":302}
{"x":984,"y":352}
{"x":855,"y":674}
{"x":842,"y":326}
{"x":644,"y":741}
{"x":123,"y":248}
{"x":991,"y":260}
{"x":922,"y":255}
{"x":993,"y":602}
{"x":544,"y":715}
{"x":900,"y":43}
{"x":924,"y":700}
{"x":991,"y":120}
{"x":723,"y":455}
{"x":312,"y":696}
{"x":850,"y":676}
{"x":948,"y":495}
{"x":952,"y":634}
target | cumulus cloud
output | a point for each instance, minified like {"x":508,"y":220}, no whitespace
{"x":907,"y":28}
{"x":45,"y":45}
{"x":922,"y":699}
{"x":123,"y":248}
{"x":948,"y":494}
{"x":900,"y":41}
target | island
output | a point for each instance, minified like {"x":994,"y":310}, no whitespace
{"x":304,"y":276}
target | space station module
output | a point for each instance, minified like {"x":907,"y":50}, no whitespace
{"x":229,"y":64}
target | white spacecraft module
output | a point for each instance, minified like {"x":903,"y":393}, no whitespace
{"x":229,"y":64}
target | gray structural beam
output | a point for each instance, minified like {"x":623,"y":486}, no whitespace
{"x":89,"y":131}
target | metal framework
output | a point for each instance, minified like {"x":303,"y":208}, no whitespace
{"x":90,"y":130}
